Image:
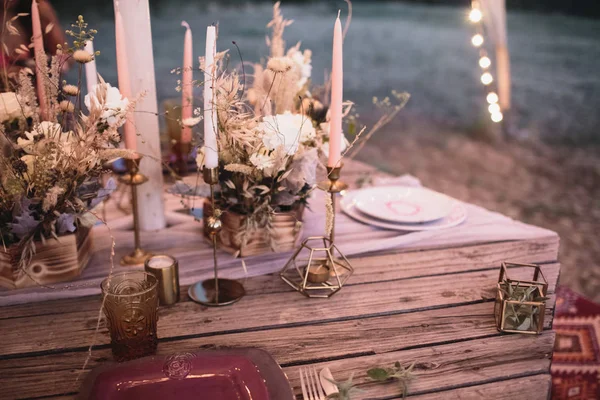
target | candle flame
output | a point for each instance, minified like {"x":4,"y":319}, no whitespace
{"x":339,"y":12}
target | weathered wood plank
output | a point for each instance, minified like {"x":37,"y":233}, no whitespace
{"x":371,"y":268}
{"x":73,"y":330}
{"x":287,"y":345}
{"x":447,"y":366}
{"x":534,"y":387}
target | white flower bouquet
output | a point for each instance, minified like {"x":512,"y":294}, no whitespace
{"x":51,"y":160}
{"x":272,"y":139}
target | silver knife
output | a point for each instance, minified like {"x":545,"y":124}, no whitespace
{"x":326,"y":377}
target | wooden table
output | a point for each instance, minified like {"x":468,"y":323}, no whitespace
{"x":433,"y":307}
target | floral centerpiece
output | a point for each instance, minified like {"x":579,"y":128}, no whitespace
{"x":50,"y":175}
{"x":273,"y":135}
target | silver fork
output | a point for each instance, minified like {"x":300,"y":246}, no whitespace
{"x":310,"y":384}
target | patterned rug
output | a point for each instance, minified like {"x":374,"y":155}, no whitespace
{"x":576,"y":359}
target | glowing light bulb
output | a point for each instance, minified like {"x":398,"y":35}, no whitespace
{"x":477,"y":40}
{"x":494,"y":108}
{"x":492,"y":98}
{"x":497,"y":117}
{"x":485,"y":62}
{"x":487,"y":78}
{"x":475,"y":15}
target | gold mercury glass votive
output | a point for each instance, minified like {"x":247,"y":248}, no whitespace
{"x":130,"y":307}
{"x":166,"y":270}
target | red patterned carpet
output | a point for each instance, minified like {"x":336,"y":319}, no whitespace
{"x":576,"y":359}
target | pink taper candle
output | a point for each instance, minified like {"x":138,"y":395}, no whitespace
{"x":123,"y":73}
{"x":211,"y":158}
{"x":337,"y":89}
{"x":187,"y":91}
{"x":38,"y":48}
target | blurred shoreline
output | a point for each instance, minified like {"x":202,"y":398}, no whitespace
{"x":581,"y":8}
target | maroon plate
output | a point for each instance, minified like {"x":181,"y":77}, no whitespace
{"x":236,"y":374}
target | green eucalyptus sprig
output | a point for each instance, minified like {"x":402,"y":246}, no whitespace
{"x":346,"y":389}
{"x":402,"y":375}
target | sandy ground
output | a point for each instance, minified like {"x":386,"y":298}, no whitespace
{"x":553,"y":187}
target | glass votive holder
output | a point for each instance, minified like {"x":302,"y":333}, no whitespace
{"x":166,"y":270}
{"x":130,"y":307}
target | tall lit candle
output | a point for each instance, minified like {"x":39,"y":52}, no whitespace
{"x":337,"y":89}
{"x":187,"y":84}
{"x":123,"y":73}
{"x":38,"y":48}
{"x":211,"y":159}
{"x":91,"y":75}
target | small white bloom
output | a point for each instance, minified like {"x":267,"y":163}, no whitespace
{"x":303,"y":63}
{"x":82,"y":56}
{"x":189,"y":122}
{"x":44,"y":130}
{"x":287,"y":130}
{"x":280,"y":64}
{"x":111,"y":103}
{"x":261,"y":160}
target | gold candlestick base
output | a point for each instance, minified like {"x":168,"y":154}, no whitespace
{"x":136,"y":257}
{"x":134,"y":178}
{"x":318,"y":268}
{"x":215,"y":292}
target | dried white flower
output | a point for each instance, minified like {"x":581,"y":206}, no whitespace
{"x":303,"y":64}
{"x":261,"y":160}
{"x":109,"y":102}
{"x":287,"y":130}
{"x":51,"y":197}
{"x":82,"y":56}
{"x":280,"y":64}
{"x":70,"y":90}
{"x":67,"y":106}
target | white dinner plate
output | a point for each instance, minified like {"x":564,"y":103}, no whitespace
{"x":402,"y":204}
{"x":458,"y":214}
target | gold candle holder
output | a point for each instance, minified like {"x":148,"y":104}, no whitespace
{"x":215,"y":292}
{"x":134,"y":178}
{"x":318,"y":268}
{"x":166,"y":269}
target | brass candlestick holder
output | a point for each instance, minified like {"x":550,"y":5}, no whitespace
{"x":215,"y":292}
{"x":318,"y":268}
{"x":133,"y":177}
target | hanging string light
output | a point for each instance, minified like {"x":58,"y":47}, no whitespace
{"x":476,"y":17}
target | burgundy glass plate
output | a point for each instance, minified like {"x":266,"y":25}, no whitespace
{"x":236,"y":374}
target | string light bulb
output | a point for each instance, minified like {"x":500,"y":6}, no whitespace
{"x":487,"y":78}
{"x":475,"y":15}
{"x":494,"y":108}
{"x":497,"y":116}
{"x":477,"y":40}
{"x":485,"y":62}
{"x":492,"y":98}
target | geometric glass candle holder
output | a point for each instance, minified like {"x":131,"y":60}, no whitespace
{"x":520,"y":304}
{"x":317,"y":268}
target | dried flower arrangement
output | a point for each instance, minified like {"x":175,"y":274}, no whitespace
{"x":52,"y":157}
{"x":273,"y":137}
